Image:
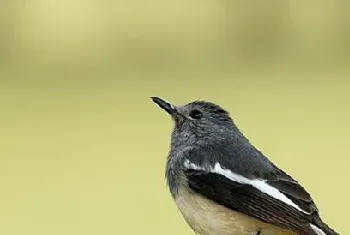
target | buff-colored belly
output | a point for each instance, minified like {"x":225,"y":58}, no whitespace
{"x":208,"y":218}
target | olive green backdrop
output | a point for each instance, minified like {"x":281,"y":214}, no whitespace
{"x":83,"y":148}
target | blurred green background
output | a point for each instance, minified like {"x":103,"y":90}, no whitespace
{"x":82,"y":147}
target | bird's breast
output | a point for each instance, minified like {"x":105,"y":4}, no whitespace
{"x":206,"y":217}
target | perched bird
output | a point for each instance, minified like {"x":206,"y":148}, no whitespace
{"x":223,"y":185}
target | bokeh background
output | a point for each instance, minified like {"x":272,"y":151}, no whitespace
{"x":82,"y":147}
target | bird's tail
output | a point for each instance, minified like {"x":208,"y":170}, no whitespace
{"x":321,"y":228}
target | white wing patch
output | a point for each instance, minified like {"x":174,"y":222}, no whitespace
{"x":261,"y":185}
{"x":317,"y":230}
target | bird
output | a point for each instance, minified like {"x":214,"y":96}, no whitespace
{"x":223,"y":185}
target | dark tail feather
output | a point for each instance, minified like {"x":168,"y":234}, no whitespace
{"x":324,"y":227}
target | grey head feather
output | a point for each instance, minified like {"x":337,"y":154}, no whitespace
{"x":213,"y":137}
{"x":204,"y":133}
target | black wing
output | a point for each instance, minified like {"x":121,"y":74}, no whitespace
{"x":251,"y":201}
{"x":295,"y":192}
{"x":241,"y":158}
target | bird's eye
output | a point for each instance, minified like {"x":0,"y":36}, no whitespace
{"x":195,"y":114}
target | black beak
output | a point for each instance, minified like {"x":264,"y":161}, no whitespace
{"x":165,"y":105}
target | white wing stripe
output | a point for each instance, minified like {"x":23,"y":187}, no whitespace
{"x":261,"y":185}
{"x":317,"y":230}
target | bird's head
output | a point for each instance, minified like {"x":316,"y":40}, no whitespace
{"x":198,"y":120}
